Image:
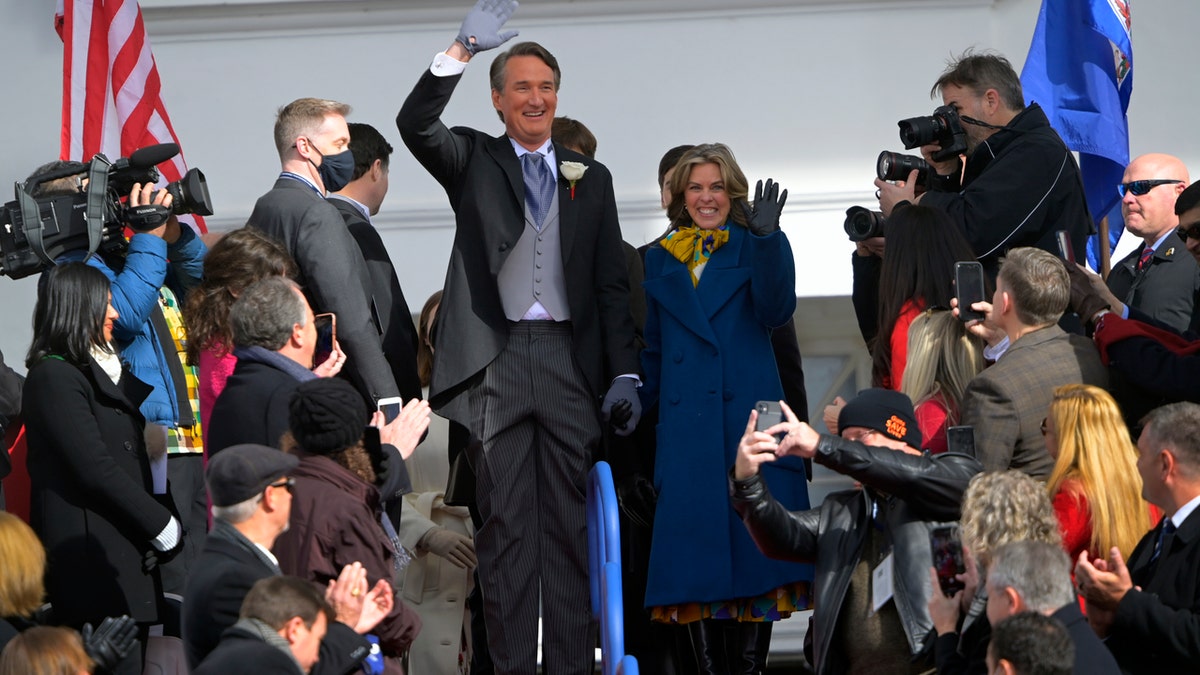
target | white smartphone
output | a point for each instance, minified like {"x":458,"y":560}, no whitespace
{"x":390,"y":407}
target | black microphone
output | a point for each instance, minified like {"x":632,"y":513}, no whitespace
{"x":152,"y":155}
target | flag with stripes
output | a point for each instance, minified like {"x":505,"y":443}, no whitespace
{"x":112,"y":95}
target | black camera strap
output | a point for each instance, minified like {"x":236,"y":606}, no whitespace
{"x":97,"y":195}
{"x":31,"y":223}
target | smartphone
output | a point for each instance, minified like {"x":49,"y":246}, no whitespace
{"x":769,"y":414}
{"x":961,"y":439}
{"x":390,"y":407}
{"x":1065,"y":250}
{"x":968,"y":288}
{"x":947,"y":558}
{"x":326,"y":337}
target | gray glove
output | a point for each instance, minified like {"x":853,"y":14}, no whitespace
{"x":480,"y":31}
{"x":459,"y":549}
{"x":768,"y":204}
{"x":623,"y":389}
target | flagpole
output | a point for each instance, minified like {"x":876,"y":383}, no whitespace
{"x":1105,"y":253}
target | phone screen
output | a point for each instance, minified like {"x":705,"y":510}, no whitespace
{"x":390,"y":407}
{"x":961,"y":439}
{"x":968,"y":288}
{"x":769,"y":414}
{"x":326,"y":325}
{"x":1065,"y":250}
{"x":947,"y":558}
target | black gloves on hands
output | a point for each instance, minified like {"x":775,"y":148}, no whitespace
{"x":623,"y":389}
{"x":480,"y":31}
{"x":109,"y":644}
{"x":763,"y":216}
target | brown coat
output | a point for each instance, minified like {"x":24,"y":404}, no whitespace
{"x":336,"y":521}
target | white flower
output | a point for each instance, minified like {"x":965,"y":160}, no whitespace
{"x":572,"y":171}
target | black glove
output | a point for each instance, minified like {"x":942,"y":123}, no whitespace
{"x":619,"y":416}
{"x":763,"y":217}
{"x":622,"y":389}
{"x":480,"y":29}
{"x":1084,"y":300}
{"x":637,"y":499}
{"x":109,"y":644}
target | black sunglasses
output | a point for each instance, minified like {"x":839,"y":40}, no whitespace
{"x":1141,"y":187}
{"x":1185,"y":231}
{"x":286,"y":483}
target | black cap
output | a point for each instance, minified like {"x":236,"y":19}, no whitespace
{"x":327,"y":415}
{"x":240,"y":472}
{"x":886,"y":411}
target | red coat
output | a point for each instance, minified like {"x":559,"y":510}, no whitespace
{"x":336,"y":521}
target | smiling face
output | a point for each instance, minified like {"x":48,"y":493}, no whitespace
{"x":528,"y":100}
{"x":705,"y":196}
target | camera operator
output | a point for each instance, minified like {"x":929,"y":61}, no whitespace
{"x":1020,"y":183}
{"x":160,"y":265}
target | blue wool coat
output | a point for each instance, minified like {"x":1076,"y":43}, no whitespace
{"x":708,"y":360}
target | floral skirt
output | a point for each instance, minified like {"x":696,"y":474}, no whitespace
{"x":776,"y":604}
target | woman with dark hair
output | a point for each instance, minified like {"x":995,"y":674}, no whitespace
{"x":91,"y":501}
{"x":916,"y":272}
{"x":239,"y":259}
{"x":716,"y":285}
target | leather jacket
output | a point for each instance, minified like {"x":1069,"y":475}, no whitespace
{"x":912,"y":495}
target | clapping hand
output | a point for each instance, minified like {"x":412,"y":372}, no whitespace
{"x":480,"y":30}
{"x":763,"y":216}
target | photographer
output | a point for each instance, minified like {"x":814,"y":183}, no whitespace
{"x":1020,"y":182}
{"x":160,"y":264}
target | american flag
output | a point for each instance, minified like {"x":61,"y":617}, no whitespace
{"x":112,"y":94}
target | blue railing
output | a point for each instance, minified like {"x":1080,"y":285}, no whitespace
{"x":604,"y":571}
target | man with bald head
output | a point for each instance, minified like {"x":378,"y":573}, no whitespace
{"x":1158,"y":278}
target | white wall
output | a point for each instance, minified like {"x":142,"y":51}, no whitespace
{"x":806,"y":91}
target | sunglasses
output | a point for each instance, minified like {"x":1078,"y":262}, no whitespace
{"x":1140,"y":187}
{"x":286,"y":483}
{"x":1185,"y":231}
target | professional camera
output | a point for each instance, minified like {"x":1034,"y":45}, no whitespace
{"x":895,"y":166}
{"x":34,"y":231}
{"x":943,"y":127}
{"x":862,"y":223}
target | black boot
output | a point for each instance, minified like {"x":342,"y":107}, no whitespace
{"x":709,"y":645}
{"x":749,"y":647}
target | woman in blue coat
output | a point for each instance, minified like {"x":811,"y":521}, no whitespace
{"x":716,"y":286}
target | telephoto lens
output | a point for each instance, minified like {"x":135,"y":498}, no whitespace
{"x":895,"y":166}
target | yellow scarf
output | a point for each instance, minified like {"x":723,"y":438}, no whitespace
{"x":693,"y":246}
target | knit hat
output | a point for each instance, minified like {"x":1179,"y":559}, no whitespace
{"x":240,"y":472}
{"x":326,"y":415}
{"x":886,"y":411}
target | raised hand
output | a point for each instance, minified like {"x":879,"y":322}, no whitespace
{"x":763,"y":217}
{"x":480,"y":30}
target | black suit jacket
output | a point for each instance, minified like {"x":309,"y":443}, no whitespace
{"x":396,"y":324}
{"x":483,"y":178}
{"x":243,"y":653}
{"x":223,"y":576}
{"x":1166,"y":290}
{"x":333,"y":275}
{"x":252,"y":408}
{"x":1091,"y":657}
{"x":1157,"y":629}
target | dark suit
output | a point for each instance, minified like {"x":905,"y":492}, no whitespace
{"x":399,"y":336}
{"x":1091,"y":657}
{"x":533,"y":528}
{"x":1007,"y":402}
{"x":224,"y":574}
{"x":1166,"y":289}
{"x":90,"y":501}
{"x":253,"y":407}
{"x":1157,"y":629}
{"x":244,"y":653}
{"x":333,"y":275}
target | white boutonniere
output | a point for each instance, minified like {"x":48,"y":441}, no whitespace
{"x":572,"y":171}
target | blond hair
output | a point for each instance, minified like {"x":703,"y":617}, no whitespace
{"x":943,"y":357}
{"x":303,"y":117}
{"x":1004,"y":506}
{"x":21,"y":582}
{"x":1098,"y":461}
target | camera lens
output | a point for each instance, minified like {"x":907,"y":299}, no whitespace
{"x":918,"y":131}
{"x":895,"y":166}
{"x":862,"y":223}
{"x":190,"y":194}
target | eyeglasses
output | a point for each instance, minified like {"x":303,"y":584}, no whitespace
{"x":286,"y":483}
{"x":1141,"y":187}
{"x":1185,"y":231}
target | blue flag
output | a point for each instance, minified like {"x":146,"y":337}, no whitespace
{"x":1080,"y":70}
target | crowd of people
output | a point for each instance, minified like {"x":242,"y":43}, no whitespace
{"x":234,"y":445}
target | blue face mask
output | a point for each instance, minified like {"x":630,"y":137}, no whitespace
{"x":336,"y":171}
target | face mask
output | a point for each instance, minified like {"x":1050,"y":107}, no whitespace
{"x":336,"y":171}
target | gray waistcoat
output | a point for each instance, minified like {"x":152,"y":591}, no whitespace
{"x":533,"y":271}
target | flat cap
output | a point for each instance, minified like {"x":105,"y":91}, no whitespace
{"x":240,"y":472}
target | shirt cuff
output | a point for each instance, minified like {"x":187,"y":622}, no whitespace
{"x":637,"y":381}
{"x":445,"y":65}
{"x":169,"y":537}
{"x":994,"y":353}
